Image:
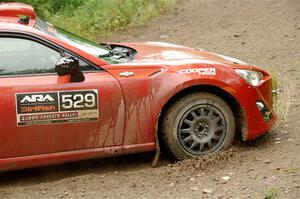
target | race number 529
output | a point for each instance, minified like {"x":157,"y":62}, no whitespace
{"x":78,"y":100}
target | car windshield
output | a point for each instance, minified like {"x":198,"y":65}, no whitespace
{"x":72,"y":39}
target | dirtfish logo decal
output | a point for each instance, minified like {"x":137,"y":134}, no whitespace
{"x":200,"y":71}
{"x":37,"y":98}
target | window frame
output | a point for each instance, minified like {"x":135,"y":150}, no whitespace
{"x":49,"y":44}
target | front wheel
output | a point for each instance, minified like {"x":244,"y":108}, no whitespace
{"x":197,"y":124}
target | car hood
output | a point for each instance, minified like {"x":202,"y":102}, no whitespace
{"x":171,"y":54}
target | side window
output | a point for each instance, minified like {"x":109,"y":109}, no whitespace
{"x":20,"y":56}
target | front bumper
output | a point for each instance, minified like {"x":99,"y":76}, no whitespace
{"x":257,"y":105}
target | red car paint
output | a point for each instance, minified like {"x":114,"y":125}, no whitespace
{"x":129,"y":107}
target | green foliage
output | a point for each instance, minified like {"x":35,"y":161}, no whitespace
{"x":271,"y":193}
{"x":96,"y":18}
{"x":42,"y":7}
{"x":282,"y":101}
{"x":290,"y":170}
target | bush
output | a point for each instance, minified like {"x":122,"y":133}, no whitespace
{"x":96,"y":18}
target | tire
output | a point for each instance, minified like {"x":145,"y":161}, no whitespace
{"x":197,"y":124}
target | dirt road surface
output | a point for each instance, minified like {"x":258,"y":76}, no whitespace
{"x":262,"y":32}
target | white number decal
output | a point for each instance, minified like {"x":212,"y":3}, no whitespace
{"x":78,"y":98}
{"x":90,"y":100}
{"x":78,"y":101}
{"x":67,"y":101}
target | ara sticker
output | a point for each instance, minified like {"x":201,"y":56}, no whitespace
{"x":200,"y":71}
{"x":56,"y":107}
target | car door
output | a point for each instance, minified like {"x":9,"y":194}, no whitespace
{"x":44,"y":113}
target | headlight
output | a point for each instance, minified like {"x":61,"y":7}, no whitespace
{"x":251,"y":76}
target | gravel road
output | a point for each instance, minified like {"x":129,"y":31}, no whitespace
{"x":262,"y":32}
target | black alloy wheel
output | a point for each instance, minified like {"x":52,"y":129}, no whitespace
{"x":197,"y":124}
{"x":202,"y":129}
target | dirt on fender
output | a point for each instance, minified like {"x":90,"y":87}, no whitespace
{"x":265,"y":33}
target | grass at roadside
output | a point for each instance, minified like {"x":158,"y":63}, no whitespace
{"x":95,"y":19}
{"x":284,"y":99}
{"x":271,"y":193}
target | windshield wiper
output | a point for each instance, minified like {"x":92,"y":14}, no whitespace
{"x":108,"y":48}
{"x":105,"y":55}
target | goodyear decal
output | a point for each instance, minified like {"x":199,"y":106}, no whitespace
{"x":57,"y":107}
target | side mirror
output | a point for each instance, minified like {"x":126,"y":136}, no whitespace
{"x":69,"y":66}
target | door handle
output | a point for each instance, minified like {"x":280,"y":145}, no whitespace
{"x":126,"y":74}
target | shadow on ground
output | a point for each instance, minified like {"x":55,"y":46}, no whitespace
{"x":86,"y":167}
{"x":104,"y":166}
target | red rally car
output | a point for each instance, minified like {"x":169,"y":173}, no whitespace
{"x":64,"y":98}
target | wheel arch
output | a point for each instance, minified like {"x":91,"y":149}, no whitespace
{"x":239,"y":114}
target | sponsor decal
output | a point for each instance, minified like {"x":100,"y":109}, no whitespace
{"x":57,"y":107}
{"x":200,"y":71}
